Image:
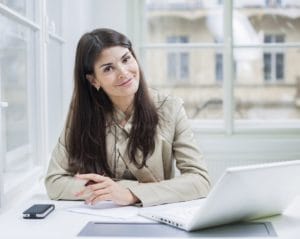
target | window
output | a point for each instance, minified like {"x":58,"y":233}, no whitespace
{"x":273,"y":60}
{"x":18,"y":81}
{"x":259,"y":53}
{"x":178,"y":62}
{"x":273,"y":3}
{"x":24,"y":84}
{"x":175,"y":57}
{"x":219,"y":66}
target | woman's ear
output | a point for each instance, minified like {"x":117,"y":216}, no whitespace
{"x":93,"y":81}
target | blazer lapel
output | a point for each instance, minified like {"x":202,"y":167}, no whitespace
{"x":153,"y":172}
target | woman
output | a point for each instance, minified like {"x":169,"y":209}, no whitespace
{"x":121,"y":139}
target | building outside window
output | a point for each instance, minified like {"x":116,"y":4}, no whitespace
{"x":254,"y":62}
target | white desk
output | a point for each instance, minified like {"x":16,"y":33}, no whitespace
{"x":62,"y":224}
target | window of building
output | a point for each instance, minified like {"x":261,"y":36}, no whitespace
{"x":219,"y":66}
{"x":273,"y":60}
{"x":178,"y":62}
{"x":273,"y":3}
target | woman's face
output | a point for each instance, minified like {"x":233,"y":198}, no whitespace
{"x":116,"y":71}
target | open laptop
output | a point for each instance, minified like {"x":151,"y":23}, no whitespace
{"x":242,"y":193}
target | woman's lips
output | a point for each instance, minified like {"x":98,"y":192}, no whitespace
{"x":126,"y":83}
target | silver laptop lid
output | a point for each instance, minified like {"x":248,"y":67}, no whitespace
{"x":249,"y":192}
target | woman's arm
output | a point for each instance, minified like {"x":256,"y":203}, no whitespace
{"x":60,"y":184}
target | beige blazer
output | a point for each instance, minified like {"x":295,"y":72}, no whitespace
{"x":154,"y":184}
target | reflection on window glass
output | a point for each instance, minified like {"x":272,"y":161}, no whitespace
{"x":189,"y":73}
{"x":14,"y":74}
{"x":23,"y":7}
{"x":266,"y":80}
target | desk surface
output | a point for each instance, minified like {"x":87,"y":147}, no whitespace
{"x":64,"y":224}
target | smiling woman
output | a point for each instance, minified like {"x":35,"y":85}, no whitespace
{"x":121,"y":139}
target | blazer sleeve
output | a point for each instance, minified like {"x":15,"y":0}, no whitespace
{"x":192,"y":183}
{"x":59,"y":183}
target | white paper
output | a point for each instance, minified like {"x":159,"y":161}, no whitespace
{"x":110,"y":210}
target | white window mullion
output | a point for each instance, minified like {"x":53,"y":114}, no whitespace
{"x":2,"y":154}
{"x":42,"y":135}
{"x":228,"y":99}
{"x":11,"y":14}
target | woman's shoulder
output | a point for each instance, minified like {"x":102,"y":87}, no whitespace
{"x":164,"y":102}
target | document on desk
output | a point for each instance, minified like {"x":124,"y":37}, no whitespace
{"x":112,"y":211}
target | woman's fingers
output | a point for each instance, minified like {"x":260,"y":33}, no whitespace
{"x":91,"y":176}
{"x":104,"y":188}
{"x":103,"y":197}
{"x":99,"y":195}
{"x":98,"y":182}
{"x":97,"y":186}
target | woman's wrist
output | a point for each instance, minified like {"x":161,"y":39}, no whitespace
{"x":133,"y":199}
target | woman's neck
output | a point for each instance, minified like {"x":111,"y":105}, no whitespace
{"x":125,"y":105}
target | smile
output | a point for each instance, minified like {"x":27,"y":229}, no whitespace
{"x":125,"y":83}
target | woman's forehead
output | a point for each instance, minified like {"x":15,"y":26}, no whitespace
{"x":112,"y":53}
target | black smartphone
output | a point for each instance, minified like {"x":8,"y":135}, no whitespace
{"x":38,"y":211}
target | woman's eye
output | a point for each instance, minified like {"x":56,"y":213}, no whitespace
{"x":107,"y":69}
{"x":126,"y":59}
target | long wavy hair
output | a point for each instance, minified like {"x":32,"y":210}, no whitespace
{"x":85,"y":135}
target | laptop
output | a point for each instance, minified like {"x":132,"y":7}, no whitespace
{"x":242,"y":193}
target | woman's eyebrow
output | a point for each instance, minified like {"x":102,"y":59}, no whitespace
{"x":106,"y":64}
{"x":122,"y":57}
{"x":126,"y":53}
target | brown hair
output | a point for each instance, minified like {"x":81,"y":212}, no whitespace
{"x":87,"y":118}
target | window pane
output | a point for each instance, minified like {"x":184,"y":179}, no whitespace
{"x":266,"y":21}
{"x":279,"y":66}
{"x":199,"y":21}
{"x":16,"y":68}
{"x":267,"y":66}
{"x":54,"y":11}
{"x":219,"y":66}
{"x":184,"y":65}
{"x":55,"y":121}
{"x":201,"y":92}
{"x":188,"y":72}
{"x":267,"y":87}
{"x":23,"y":7}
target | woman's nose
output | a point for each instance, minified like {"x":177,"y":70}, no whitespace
{"x":123,"y":72}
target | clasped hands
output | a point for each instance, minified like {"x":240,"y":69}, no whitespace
{"x":104,"y":188}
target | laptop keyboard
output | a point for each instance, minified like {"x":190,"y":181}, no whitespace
{"x":180,"y":214}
